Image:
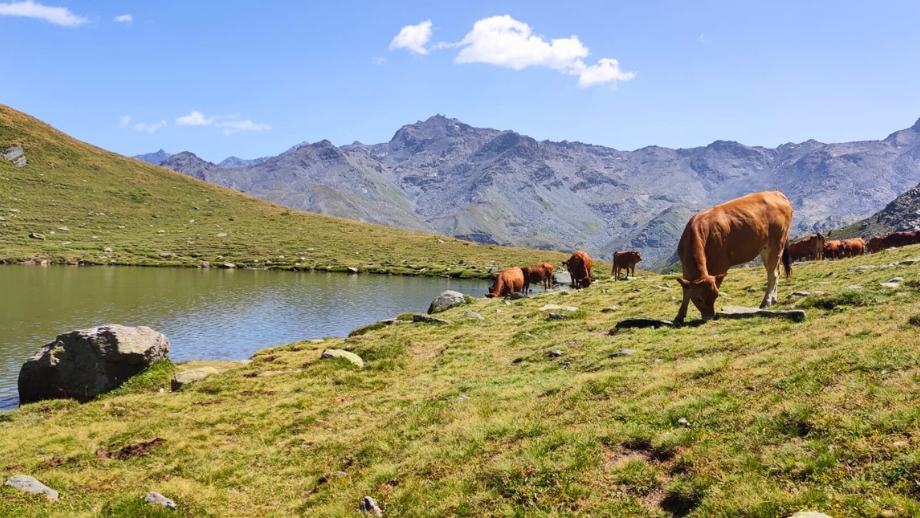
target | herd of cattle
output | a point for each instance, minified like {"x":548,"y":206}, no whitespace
{"x":714,"y":240}
{"x":817,"y":246}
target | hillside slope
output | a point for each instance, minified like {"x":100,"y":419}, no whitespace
{"x":441,"y":175}
{"x":85,"y":205}
{"x":517,"y":412}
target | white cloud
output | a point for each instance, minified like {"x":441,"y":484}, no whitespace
{"x":379,"y":60}
{"x":124,"y":120}
{"x":506,"y":42}
{"x":151,"y":127}
{"x":605,"y":71}
{"x":413,"y":37}
{"x":243,"y":125}
{"x":194,"y":119}
{"x":56,"y":15}
{"x":124,"y":18}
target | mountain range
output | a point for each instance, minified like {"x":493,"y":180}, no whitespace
{"x":492,"y":186}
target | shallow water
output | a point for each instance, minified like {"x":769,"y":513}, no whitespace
{"x":211,"y":314}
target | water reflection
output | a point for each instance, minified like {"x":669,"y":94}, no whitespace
{"x":207,"y":314}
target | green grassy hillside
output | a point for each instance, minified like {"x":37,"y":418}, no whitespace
{"x":117,"y":210}
{"x":757,"y":418}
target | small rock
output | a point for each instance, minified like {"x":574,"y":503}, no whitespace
{"x":63,"y":229}
{"x":429,"y":320}
{"x":557,"y":316}
{"x":341,"y":353}
{"x":809,"y":514}
{"x":557,"y":307}
{"x":30,"y":485}
{"x":229,"y":266}
{"x":352,"y":270}
{"x":36,"y":235}
{"x":154,"y":498}
{"x":462,"y":397}
{"x":166,"y":255}
{"x":796,"y":294}
{"x":555,"y":353}
{"x":610,"y":309}
{"x":912,"y":260}
{"x":190,"y":376}
{"x":107,"y":250}
{"x":205,"y":264}
{"x":863,"y":268}
{"x":853,"y":287}
{"x":643,"y":322}
{"x":368,"y":505}
{"x":222,"y":234}
{"x":623,"y":352}
{"x":565,"y":365}
{"x":683,"y":422}
{"x":472,"y":315}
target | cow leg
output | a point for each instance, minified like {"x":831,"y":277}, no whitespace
{"x":771,"y":261}
{"x":684,"y":304}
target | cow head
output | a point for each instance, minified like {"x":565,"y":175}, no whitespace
{"x":703,"y":292}
{"x":638,"y":255}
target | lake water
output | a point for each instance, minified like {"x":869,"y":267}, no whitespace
{"x":210,"y":314}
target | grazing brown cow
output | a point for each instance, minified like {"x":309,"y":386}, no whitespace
{"x":832,"y":249}
{"x":893,"y":240}
{"x":538,"y":274}
{"x":579,"y":267}
{"x":729,"y":234}
{"x":852,"y":247}
{"x":810,"y":248}
{"x":625,"y":261}
{"x":509,"y":280}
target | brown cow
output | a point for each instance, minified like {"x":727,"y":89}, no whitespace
{"x":509,"y":280}
{"x":538,"y":274}
{"x":810,"y":248}
{"x":579,"y":267}
{"x":832,"y":249}
{"x":625,"y":261}
{"x":729,"y":234}
{"x":893,"y":240}
{"x":853,"y":247}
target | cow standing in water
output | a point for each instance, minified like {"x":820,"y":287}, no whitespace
{"x":538,"y":274}
{"x":730,"y":234}
{"x":509,"y":280}
{"x":579,"y":267}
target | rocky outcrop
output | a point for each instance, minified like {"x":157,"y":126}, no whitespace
{"x":84,"y":363}
{"x":14,"y":155}
{"x":341,"y":353}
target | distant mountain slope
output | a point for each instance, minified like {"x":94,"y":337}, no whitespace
{"x":240,"y":162}
{"x":156,"y":158}
{"x":496,"y":186}
{"x":78,"y":204}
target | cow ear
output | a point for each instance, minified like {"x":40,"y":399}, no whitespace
{"x":684,"y":283}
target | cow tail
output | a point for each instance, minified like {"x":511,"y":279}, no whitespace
{"x":787,"y":263}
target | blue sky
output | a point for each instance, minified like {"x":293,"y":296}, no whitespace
{"x":253,"y":78}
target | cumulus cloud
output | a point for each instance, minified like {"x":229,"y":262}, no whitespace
{"x":124,"y":120}
{"x":124,"y":18}
{"x":56,"y":15}
{"x":242,"y":125}
{"x":506,"y":42}
{"x":149,"y":127}
{"x":413,"y":37}
{"x":194,"y":119}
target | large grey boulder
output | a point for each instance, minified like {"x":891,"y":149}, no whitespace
{"x":84,"y":363}
{"x":447,"y":299}
{"x":15,"y":155}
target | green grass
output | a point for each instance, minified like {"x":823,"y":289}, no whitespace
{"x":119,"y":211}
{"x":758,"y":417}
